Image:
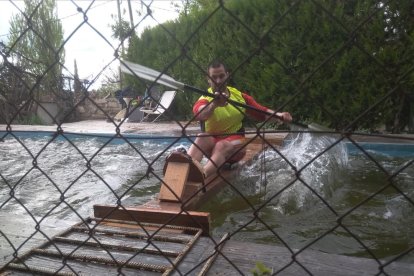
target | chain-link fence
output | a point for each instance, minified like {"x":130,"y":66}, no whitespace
{"x":311,"y":200}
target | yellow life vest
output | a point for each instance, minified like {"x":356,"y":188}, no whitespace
{"x":226,"y":119}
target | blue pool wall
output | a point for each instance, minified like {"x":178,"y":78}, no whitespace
{"x":390,"y":149}
{"x":405,"y":150}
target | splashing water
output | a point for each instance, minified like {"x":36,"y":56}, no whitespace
{"x":274,"y":206}
{"x":288,"y":191}
{"x":51,"y":184}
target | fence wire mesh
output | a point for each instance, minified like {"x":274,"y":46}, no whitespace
{"x":335,"y":200}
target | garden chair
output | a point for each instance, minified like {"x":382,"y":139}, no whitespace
{"x":164,"y":103}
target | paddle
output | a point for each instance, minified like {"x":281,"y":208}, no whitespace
{"x":161,"y":78}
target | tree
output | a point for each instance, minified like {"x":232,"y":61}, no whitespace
{"x":36,"y":43}
{"x":346,"y":64}
{"x":10,"y":81}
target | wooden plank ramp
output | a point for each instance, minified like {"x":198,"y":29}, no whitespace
{"x":120,"y":248}
{"x":108,"y":247}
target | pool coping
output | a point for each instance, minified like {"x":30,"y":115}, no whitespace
{"x":174,"y":128}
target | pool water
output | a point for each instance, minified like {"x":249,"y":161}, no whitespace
{"x":46,"y":181}
{"x":58,"y":181}
{"x":354,"y":201}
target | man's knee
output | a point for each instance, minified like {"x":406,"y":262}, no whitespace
{"x":231,"y":152}
{"x":224,"y":146}
{"x":204,"y":139}
{"x":203,"y":135}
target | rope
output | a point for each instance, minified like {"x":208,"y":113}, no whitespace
{"x":212,"y":258}
{"x":263,"y":173}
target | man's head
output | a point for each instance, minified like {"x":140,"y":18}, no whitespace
{"x":217,"y":76}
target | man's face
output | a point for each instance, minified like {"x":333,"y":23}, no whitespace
{"x":217,"y":78}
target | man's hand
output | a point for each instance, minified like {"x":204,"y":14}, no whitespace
{"x":220,"y":98}
{"x":205,"y":111}
{"x":284,"y":117}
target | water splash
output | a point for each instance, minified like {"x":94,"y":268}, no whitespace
{"x":298,"y":168}
{"x":61,"y":168}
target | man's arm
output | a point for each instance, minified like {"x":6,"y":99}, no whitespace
{"x":284,"y":117}
{"x":203,"y":109}
{"x":280,"y":116}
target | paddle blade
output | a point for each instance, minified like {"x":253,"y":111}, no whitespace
{"x":312,"y":127}
{"x":316,"y":127}
{"x":150,"y":75}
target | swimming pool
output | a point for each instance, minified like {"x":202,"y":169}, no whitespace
{"x":59,"y":180}
{"x":386,"y":149}
{"x":362,"y":203}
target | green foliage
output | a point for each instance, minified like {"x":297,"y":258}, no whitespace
{"x":37,"y":36}
{"x":29,"y":120}
{"x":325,"y":61}
{"x":106,"y":89}
{"x":121,"y":29}
{"x":261,"y":270}
{"x":36,"y":49}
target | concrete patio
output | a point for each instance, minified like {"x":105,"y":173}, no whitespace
{"x":102,"y":126}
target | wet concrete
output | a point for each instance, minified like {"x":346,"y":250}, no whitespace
{"x":102,"y":126}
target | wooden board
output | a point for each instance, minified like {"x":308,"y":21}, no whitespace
{"x":164,"y":213}
{"x":106,"y":247}
{"x":174,"y":181}
{"x":196,"y":173}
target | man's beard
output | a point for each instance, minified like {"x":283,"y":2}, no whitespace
{"x":221,"y":88}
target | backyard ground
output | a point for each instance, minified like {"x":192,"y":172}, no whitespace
{"x":102,"y":126}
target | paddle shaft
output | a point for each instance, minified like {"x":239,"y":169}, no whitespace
{"x":207,"y":94}
{"x":161,"y":78}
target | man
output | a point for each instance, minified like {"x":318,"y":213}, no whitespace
{"x":224,"y":133}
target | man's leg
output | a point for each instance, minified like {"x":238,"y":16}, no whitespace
{"x":221,"y":152}
{"x":203,"y":145}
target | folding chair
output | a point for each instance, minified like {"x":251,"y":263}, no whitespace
{"x":165,"y":101}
